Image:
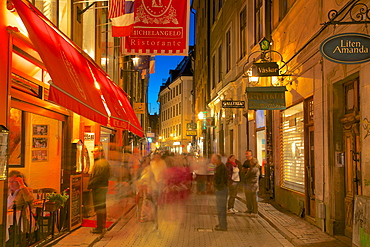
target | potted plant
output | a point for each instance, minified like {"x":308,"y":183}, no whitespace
{"x":55,"y":200}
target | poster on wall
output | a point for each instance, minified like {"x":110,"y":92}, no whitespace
{"x":38,"y":142}
{"x":89,"y":139}
{"x":39,"y":155}
{"x":40,"y":130}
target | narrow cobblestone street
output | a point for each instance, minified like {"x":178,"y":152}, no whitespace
{"x":192,"y":224}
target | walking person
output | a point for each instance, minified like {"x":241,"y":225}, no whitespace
{"x":252,"y":187}
{"x":234,"y":168}
{"x":221,"y":191}
{"x":98,"y":183}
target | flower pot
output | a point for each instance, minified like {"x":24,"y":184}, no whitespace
{"x":51,"y":206}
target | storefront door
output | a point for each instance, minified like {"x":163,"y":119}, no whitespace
{"x":351,"y":140}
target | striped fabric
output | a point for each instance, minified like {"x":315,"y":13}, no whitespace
{"x":121,"y":13}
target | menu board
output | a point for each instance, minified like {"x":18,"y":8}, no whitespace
{"x":75,"y":201}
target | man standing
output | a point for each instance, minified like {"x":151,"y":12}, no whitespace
{"x":245,"y":168}
{"x":98,"y":183}
{"x":221,"y":191}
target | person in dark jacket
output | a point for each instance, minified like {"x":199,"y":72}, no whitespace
{"x":98,"y":183}
{"x":221,"y":178}
{"x":251,"y":187}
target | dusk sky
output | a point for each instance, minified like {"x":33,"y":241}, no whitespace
{"x":163,"y":64}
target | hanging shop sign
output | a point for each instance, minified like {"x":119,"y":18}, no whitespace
{"x":265,"y":69}
{"x":347,"y":48}
{"x":191,"y":132}
{"x":150,"y":134}
{"x":233,"y":104}
{"x":266,"y":98}
{"x":191,"y":126}
{"x":210,"y":122}
{"x":139,"y":108}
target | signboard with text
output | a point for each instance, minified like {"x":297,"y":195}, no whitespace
{"x":347,"y":48}
{"x":233,"y":104}
{"x":161,"y":28}
{"x":266,"y":69}
{"x":191,"y":132}
{"x":266,"y":98}
{"x":75,"y":201}
{"x":191,"y":126}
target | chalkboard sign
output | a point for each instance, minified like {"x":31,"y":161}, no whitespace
{"x":75,"y":201}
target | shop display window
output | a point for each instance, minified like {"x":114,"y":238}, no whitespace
{"x":293,"y":171}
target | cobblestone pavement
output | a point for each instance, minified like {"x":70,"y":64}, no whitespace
{"x":195,"y":228}
{"x":298,"y":231}
{"x":191,"y":224}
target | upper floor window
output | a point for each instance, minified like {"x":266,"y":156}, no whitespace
{"x":220,"y":63}
{"x":213,"y":79}
{"x":228,"y":51}
{"x":283,"y":8}
{"x":243,"y":33}
{"x":258,"y":20}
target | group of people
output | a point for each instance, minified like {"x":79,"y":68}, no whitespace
{"x":227,"y":179}
{"x":162,"y":179}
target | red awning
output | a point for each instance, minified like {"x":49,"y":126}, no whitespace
{"x":79,"y":84}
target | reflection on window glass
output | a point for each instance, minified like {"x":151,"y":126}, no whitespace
{"x":65,"y":17}
{"x":15,"y":137}
{"x":88,"y":43}
{"x":48,"y":8}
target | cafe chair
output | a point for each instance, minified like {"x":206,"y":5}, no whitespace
{"x":44,"y":218}
{"x":21,"y":232}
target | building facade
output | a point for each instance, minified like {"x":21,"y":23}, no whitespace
{"x":314,"y":151}
{"x":175,"y":111}
{"x":49,"y":143}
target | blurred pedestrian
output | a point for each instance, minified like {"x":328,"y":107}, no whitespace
{"x":210,"y":174}
{"x":201,"y":172}
{"x":177,"y":188}
{"x":221,"y":191}
{"x":252,"y":187}
{"x":156,"y":171}
{"x":234,"y":168}
{"x":98,"y":183}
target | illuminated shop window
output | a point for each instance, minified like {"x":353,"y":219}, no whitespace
{"x":293,"y":148}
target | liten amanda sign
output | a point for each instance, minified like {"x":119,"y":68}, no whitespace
{"x":347,"y":48}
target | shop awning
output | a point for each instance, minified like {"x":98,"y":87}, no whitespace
{"x":78,"y":83}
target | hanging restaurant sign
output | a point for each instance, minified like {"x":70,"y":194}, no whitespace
{"x":265,"y":69}
{"x":347,"y":48}
{"x":233,"y":104}
{"x":266,"y":98}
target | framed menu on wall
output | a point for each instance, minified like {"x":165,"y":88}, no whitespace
{"x":40,"y":142}
{"x":75,"y":201}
